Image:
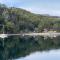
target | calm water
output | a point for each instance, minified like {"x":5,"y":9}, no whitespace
{"x":40,"y":49}
{"x":30,"y":48}
{"x":46,"y":55}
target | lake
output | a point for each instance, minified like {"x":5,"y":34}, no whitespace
{"x":45,"y":55}
{"x":38,"y":48}
{"x":30,"y":48}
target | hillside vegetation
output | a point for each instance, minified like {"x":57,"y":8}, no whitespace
{"x":17,"y":20}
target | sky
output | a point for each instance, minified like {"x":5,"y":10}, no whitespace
{"x":51,"y":7}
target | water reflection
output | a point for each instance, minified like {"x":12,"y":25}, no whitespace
{"x":18,"y":46}
{"x":48,"y":55}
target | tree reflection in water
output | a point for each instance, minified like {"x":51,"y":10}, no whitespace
{"x":18,"y":46}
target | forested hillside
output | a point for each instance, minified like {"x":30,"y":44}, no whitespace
{"x":17,"y":20}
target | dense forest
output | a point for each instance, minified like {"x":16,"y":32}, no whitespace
{"x":17,"y":20}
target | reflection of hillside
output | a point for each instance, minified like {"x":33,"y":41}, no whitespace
{"x":21,"y":46}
